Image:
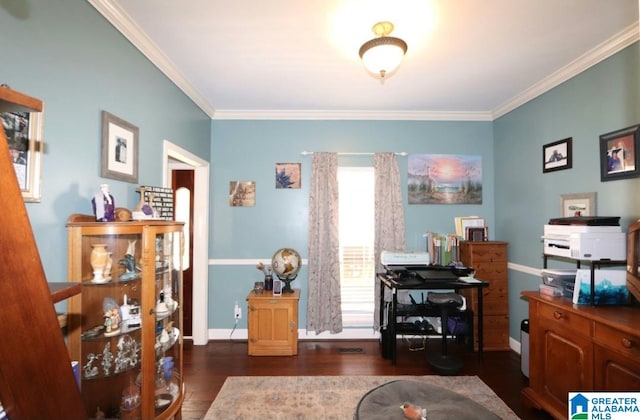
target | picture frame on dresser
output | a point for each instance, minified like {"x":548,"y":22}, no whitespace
{"x":119,"y":149}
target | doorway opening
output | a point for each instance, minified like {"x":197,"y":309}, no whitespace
{"x":175,"y":159}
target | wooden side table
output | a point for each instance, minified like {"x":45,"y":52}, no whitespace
{"x":273,"y":323}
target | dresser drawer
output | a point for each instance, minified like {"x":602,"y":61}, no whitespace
{"x":490,"y":271}
{"x":565,"y":318}
{"x":617,"y":340}
{"x":472,"y":253}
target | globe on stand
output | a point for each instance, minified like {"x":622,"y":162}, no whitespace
{"x":286,"y":264}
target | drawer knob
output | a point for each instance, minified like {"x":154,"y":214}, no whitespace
{"x":626,"y":343}
{"x":558,"y":315}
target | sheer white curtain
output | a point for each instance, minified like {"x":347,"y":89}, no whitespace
{"x":324,"y":311}
{"x":389,"y":216}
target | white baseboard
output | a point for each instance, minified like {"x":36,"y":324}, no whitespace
{"x":515,"y":345}
{"x":303,"y":334}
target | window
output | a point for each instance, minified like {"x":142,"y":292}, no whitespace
{"x":357,"y":265}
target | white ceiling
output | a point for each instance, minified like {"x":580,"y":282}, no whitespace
{"x":298,"y":59}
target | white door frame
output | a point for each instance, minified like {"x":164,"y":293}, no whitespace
{"x":175,"y":157}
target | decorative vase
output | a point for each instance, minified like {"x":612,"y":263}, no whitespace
{"x":98,"y":260}
{"x":268,"y":282}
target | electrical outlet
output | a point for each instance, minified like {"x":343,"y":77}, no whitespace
{"x":237,"y":312}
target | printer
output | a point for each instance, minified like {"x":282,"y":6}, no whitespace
{"x":585,"y":242}
{"x":391,"y":258}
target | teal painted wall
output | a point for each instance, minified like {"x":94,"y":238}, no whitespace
{"x":603,"y":99}
{"x":66,"y":54}
{"x":249,"y":150}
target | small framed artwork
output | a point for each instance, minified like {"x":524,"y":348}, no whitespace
{"x":287,"y":175}
{"x":242,"y":193}
{"x":25,"y":137}
{"x":578,"y":205}
{"x":477,"y":234}
{"x":119,"y":149}
{"x":619,"y":154}
{"x":557,"y":156}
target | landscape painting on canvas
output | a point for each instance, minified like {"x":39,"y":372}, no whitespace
{"x":445,"y":179}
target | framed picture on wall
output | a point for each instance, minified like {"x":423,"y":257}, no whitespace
{"x":287,"y":175}
{"x":119,"y":149}
{"x":557,"y":156}
{"x":619,"y":154}
{"x":26,"y":144}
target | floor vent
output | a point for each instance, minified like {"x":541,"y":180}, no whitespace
{"x":351,"y":350}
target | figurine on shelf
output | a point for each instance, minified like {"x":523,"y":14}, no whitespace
{"x":99,"y":414}
{"x":144,"y":209}
{"x":103,"y":204}
{"x":129,"y":263}
{"x":112,"y":322}
{"x":111,"y":317}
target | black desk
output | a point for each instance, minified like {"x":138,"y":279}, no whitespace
{"x":389,"y":281}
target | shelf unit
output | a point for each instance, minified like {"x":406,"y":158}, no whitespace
{"x":427,"y":310}
{"x":593,"y":265}
{"x":36,"y":379}
{"x":131,"y":367}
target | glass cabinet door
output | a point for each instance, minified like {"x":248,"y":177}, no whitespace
{"x":168,"y":318}
{"x":108,"y":266}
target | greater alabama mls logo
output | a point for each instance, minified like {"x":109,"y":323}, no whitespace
{"x":604,"y":405}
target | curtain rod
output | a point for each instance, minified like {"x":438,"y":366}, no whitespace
{"x":305,"y":153}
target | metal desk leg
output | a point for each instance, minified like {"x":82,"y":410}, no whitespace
{"x":392,"y":325}
{"x":480,"y":325}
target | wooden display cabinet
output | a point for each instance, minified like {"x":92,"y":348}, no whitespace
{"x":489,"y":262}
{"x":273,"y":323}
{"x":131,"y":363}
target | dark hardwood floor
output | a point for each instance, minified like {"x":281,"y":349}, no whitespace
{"x":207,"y":367}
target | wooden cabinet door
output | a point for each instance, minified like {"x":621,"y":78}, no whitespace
{"x":273,"y":326}
{"x":568,"y":363}
{"x":614,"y":372}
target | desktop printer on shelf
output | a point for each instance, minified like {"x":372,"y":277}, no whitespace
{"x":585,"y":242}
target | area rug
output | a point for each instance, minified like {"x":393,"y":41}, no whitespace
{"x":327,"y":397}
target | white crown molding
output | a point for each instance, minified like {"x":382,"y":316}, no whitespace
{"x":112,"y":11}
{"x":293,"y":114}
{"x":601,"y":52}
{"x":123,"y":23}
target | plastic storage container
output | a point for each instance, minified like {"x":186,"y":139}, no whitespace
{"x":524,"y":347}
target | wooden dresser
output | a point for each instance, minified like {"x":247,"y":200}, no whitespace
{"x":273,"y":323}
{"x":489,"y":260}
{"x":579,"y":348}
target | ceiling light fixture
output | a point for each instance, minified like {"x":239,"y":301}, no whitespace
{"x":383,"y":54}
